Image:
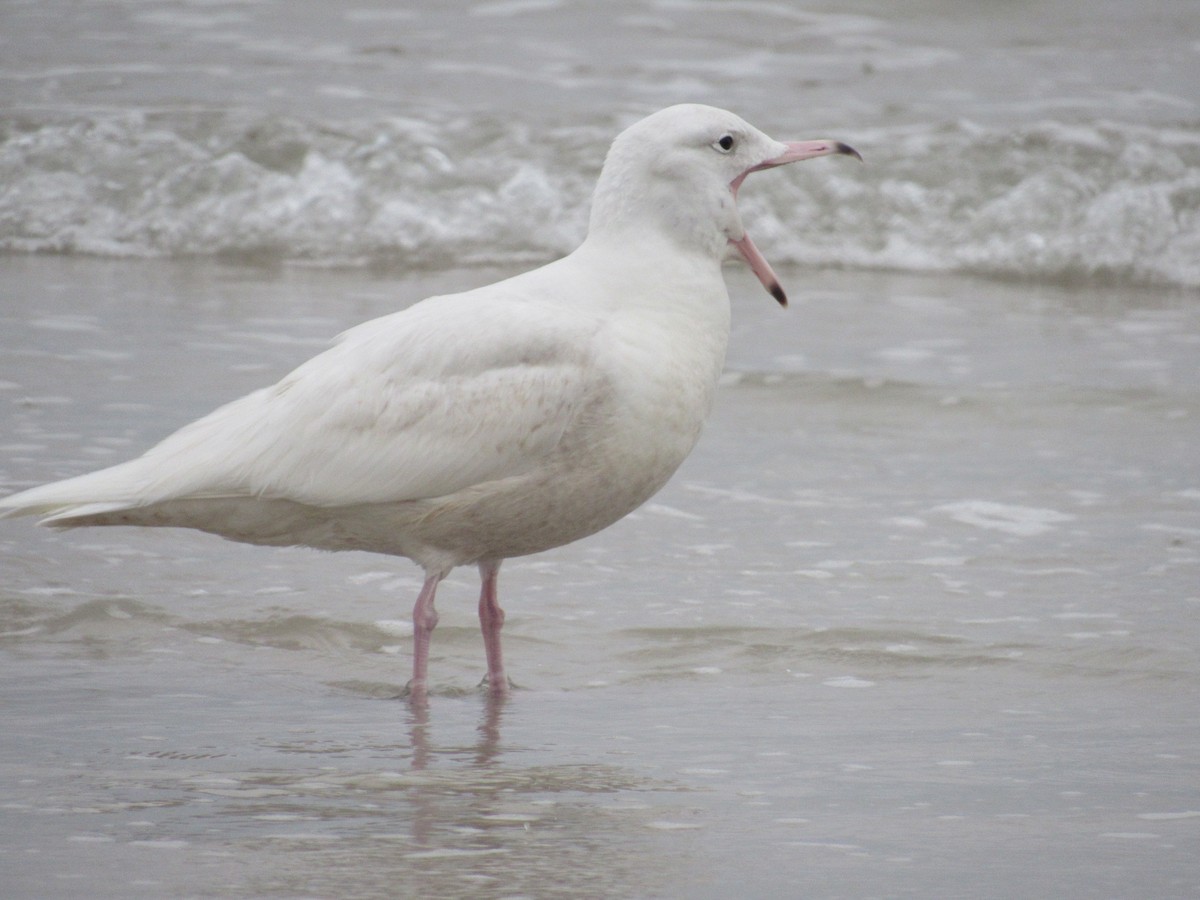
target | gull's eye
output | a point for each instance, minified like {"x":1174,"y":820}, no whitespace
{"x":725,"y":143}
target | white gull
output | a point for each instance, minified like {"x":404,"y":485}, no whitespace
{"x":498,"y":422}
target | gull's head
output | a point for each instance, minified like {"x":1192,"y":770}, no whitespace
{"x":678,"y":172}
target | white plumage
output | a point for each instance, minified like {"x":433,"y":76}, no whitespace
{"x":497,"y":422}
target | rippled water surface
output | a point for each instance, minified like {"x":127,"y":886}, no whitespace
{"x":918,"y":618}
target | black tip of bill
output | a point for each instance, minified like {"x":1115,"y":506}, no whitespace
{"x":847,"y":150}
{"x":778,"y":294}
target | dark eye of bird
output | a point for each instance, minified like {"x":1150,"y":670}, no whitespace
{"x":726,"y":142}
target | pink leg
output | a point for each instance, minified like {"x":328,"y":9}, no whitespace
{"x":425,"y":619}
{"x":491,"y":620}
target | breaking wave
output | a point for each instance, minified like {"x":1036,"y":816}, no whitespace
{"x":1049,"y":201}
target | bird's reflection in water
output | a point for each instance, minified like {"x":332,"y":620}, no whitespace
{"x":435,"y":800}
{"x":454,"y":802}
{"x":418,"y":732}
{"x":487,"y":749}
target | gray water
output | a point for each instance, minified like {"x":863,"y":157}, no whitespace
{"x":917,"y":618}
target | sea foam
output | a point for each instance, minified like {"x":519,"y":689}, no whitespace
{"x":1049,"y":201}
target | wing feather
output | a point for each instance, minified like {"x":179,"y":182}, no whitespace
{"x":456,"y":391}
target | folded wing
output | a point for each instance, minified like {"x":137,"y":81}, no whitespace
{"x":401,"y":408}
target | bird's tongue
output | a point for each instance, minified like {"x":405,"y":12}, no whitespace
{"x":759,"y":265}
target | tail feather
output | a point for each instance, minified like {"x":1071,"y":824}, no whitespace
{"x":108,"y":490}
{"x":72,"y":516}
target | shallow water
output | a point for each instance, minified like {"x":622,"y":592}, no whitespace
{"x":918,"y":618}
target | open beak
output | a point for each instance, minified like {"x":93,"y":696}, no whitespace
{"x":794,"y":152}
